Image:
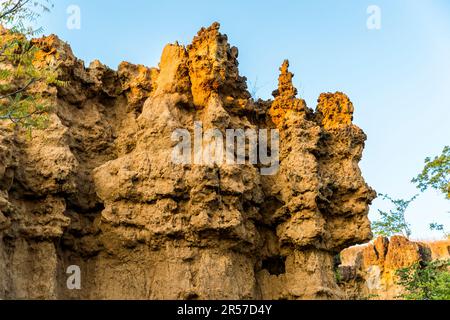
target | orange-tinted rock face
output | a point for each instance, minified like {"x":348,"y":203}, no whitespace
{"x":213,"y":69}
{"x":286,"y":100}
{"x":373,"y":266}
{"x":138,"y":82}
{"x":335,"y":110}
{"x":98,"y":188}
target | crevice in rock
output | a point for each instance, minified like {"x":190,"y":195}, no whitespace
{"x":275,"y":265}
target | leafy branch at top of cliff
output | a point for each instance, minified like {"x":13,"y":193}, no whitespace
{"x":20,"y":102}
{"x":439,"y":227}
{"x":394,"y":221}
{"x":436,"y":174}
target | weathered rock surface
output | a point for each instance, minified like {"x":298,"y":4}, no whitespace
{"x":98,"y":187}
{"x":369,"y":271}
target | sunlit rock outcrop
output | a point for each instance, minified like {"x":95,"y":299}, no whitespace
{"x":99,"y":188}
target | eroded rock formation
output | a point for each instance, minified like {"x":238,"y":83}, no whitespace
{"x":98,"y":187}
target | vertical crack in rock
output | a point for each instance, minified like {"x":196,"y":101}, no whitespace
{"x":98,"y":187}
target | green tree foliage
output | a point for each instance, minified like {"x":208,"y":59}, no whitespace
{"x":426,"y":281}
{"x":393,"y":222}
{"x":436,"y":226}
{"x":18,"y":15}
{"x":439,"y":227}
{"x":436,"y":174}
{"x":19,"y":103}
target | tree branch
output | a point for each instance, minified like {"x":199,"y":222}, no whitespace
{"x":18,"y":119}
{"x":14,"y":9}
{"x":19,"y":90}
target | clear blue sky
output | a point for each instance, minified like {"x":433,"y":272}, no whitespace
{"x":398,"y":77}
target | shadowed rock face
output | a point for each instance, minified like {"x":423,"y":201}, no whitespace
{"x":98,"y":188}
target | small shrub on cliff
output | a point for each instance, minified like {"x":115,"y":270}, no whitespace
{"x":393,"y":222}
{"x":19,"y":104}
{"x":426,"y":281}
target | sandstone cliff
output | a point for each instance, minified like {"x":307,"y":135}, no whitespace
{"x":97,"y":188}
